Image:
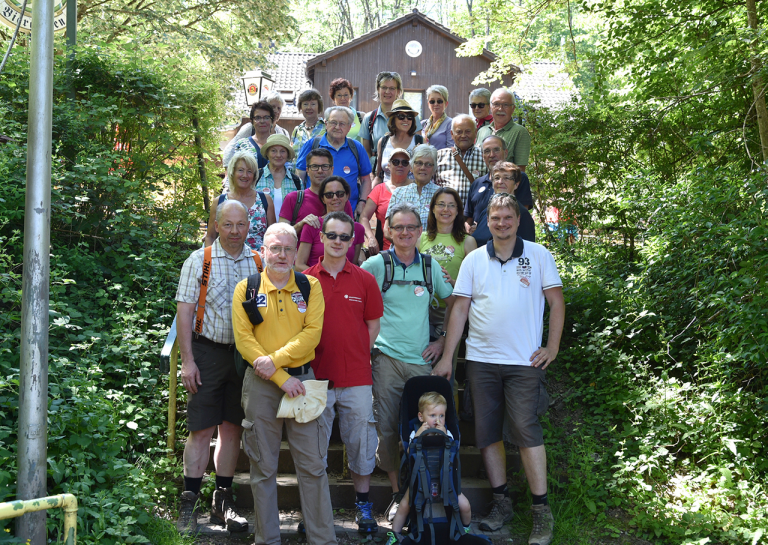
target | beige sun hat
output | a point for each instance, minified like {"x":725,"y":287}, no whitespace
{"x":305,"y":408}
{"x":401,"y":106}
{"x":278,"y":140}
{"x":400,"y":151}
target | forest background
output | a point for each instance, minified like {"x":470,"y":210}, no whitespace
{"x":660,"y":164}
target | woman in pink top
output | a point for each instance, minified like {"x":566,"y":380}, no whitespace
{"x":334,"y":193}
{"x":378,"y":198}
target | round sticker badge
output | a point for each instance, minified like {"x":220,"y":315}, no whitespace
{"x":347,"y":170}
{"x":525,"y":282}
{"x":481,"y":189}
{"x":297,"y":298}
{"x":266,"y":191}
{"x":418,"y":291}
{"x":476,"y":173}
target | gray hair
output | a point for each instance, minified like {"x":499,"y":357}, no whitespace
{"x":220,"y":209}
{"x":348,"y":111}
{"x":249,"y":159}
{"x":481,"y":92}
{"x":404,"y":208}
{"x":510,"y":93}
{"x":423,"y":150}
{"x":273,"y":96}
{"x":442,"y":91}
{"x":281,"y":228}
{"x":494,"y":137}
{"x":462,"y":117}
{"x":382,"y":77}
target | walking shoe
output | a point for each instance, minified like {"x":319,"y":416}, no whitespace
{"x":366,"y":524}
{"x":393,"y":505}
{"x":188,"y":512}
{"x":300,"y":527}
{"x":223,"y":511}
{"x":392,"y":538}
{"x":501,"y":512}
{"x":543,"y":525}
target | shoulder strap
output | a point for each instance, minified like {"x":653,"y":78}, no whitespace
{"x":203,"y":289}
{"x":264,"y":202}
{"x":418,"y":139}
{"x":296,"y":180}
{"x":464,"y":169}
{"x":355,"y":152}
{"x":389,"y":272}
{"x":316,"y":142}
{"x":222,"y":198}
{"x":384,"y":141}
{"x":304,"y":286}
{"x":297,"y":206}
{"x":257,"y":260}
{"x":371,"y":123}
{"x":258,"y":176}
{"x":360,"y":116}
{"x":426,"y":269}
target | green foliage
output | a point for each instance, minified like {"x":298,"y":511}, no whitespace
{"x":125,"y":194}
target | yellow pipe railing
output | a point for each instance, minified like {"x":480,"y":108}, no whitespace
{"x":169,"y":363}
{"x":68,"y":502}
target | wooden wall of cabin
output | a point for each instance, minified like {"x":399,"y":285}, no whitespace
{"x":437,"y":65}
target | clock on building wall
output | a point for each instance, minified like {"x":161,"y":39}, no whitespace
{"x":413,"y":48}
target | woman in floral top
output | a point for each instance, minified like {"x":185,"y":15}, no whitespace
{"x":261,"y":210}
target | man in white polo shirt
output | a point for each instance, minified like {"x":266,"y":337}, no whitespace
{"x":502,"y":289}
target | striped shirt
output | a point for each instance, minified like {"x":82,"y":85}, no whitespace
{"x":449,"y":173}
{"x":226,"y":272}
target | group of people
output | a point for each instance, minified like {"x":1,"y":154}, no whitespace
{"x":366,"y":275}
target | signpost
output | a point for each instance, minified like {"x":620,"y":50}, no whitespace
{"x":10,"y":13}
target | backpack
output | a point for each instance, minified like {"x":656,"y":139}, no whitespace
{"x":352,"y":147}
{"x":254,"y":299}
{"x":264,"y":203}
{"x":389,"y":273}
{"x":418,"y":140}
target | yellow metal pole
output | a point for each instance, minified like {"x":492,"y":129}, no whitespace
{"x":68,"y":502}
{"x":172,"y":387}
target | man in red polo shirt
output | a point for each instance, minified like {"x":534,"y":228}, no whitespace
{"x":353,"y":307}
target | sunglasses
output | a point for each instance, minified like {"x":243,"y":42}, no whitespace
{"x":334,"y":236}
{"x":436,"y":101}
{"x":332,"y":194}
{"x":476,"y":105}
{"x":403,"y":117}
{"x":399,"y":162}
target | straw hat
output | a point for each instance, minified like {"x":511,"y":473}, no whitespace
{"x":401,"y":106}
{"x":278,"y":140}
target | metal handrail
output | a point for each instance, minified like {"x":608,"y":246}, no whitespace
{"x":68,"y":502}
{"x":169,"y":363}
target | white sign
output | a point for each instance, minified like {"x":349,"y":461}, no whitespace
{"x":413,"y":48}
{"x":10,"y":13}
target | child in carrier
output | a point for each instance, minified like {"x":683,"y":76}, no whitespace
{"x":432,"y":409}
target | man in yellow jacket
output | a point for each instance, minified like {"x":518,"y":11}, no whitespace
{"x":279,"y":350}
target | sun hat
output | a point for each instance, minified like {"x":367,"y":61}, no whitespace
{"x":278,"y":140}
{"x":305,"y":408}
{"x":401,"y":106}
{"x":400,"y":151}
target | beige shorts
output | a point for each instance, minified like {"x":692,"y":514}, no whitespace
{"x":356,"y":423}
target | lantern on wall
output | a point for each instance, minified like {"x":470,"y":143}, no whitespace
{"x":256,"y":85}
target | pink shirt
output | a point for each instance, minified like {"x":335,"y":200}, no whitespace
{"x":311,"y":235}
{"x":380,"y":195}
{"x":310,"y":205}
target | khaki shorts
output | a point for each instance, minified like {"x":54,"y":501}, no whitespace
{"x":218,"y":397}
{"x":517,"y":390}
{"x":356,"y":423}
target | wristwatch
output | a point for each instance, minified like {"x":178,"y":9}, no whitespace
{"x":442,"y":333}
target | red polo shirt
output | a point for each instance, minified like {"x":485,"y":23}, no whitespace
{"x":344,"y":354}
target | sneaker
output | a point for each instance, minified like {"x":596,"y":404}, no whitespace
{"x":300,"y":528}
{"x":543,"y":525}
{"x":393,"y":505}
{"x":501,"y":512}
{"x":188,"y":513}
{"x":223,"y":511}
{"x":366,"y":524}
{"x":392,"y":538}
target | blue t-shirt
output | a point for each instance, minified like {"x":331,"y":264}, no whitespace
{"x":344,"y":163}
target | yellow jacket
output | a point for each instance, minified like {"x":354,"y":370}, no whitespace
{"x":286,"y":335}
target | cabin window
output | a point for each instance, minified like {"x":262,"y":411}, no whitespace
{"x":416,"y":100}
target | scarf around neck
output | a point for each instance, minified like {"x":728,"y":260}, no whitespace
{"x":432,"y":126}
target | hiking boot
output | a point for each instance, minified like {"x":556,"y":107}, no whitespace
{"x":543,"y":525}
{"x":392,"y":538}
{"x":393,"y":505}
{"x":501,"y":512}
{"x":366,"y":524}
{"x":188,"y":513}
{"x":223,"y":511}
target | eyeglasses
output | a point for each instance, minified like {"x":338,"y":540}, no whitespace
{"x":502,"y":105}
{"x":401,"y":228}
{"x":260,"y":118}
{"x":488,"y":151}
{"x":403,"y":117}
{"x":436,"y":101}
{"x":423,"y":164}
{"x":340,"y":95}
{"x":314,"y":168}
{"x":277,"y":250}
{"x":334,"y":236}
{"x":503,"y":178}
{"x":449,"y":206}
{"x":399,"y":162}
{"x":388,"y":88}
{"x":332,"y":194}
{"x":341,"y":124}
{"x":475,"y":105}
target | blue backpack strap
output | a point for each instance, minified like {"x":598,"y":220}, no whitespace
{"x":264,"y":202}
{"x":316,"y":142}
{"x":355,"y":152}
{"x":222,"y":198}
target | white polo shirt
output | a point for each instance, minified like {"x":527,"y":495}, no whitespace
{"x":506,"y":315}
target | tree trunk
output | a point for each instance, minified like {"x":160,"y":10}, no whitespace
{"x":758,"y":89}
{"x":201,"y":165}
